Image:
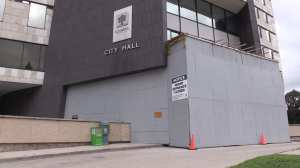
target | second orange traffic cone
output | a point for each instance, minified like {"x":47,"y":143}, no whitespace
{"x":192,"y":145}
{"x":263,"y":140}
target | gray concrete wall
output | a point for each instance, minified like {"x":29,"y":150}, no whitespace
{"x":132,"y":98}
{"x":15,"y":23}
{"x":234,"y":97}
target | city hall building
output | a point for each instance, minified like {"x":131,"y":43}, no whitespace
{"x":171,"y":68}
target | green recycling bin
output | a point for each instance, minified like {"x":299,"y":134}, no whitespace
{"x":97,"y":136}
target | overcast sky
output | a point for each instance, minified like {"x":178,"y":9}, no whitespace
{"x":286,"y":13}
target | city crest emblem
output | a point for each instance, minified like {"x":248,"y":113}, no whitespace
{"x":122,"y":20}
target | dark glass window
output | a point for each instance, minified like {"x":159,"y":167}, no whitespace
{"x":204,"y":13}
{"x":259,"y":32}
{"x":10,"y":53}
{"x":21,"y":55}
{"x":31,"y":56}
{"x":2,"y":5}
{"x":231,"y":23}
{"x":37,"y":15}
{"x":188,"y":9}
{"x":219,"y":18}
{"x":172,"y":6}
{"x":42,"y":58}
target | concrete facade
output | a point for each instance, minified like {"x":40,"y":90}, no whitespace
{"x":21,"y":76}
{"x":14,"y":27}
{"x":266,"y":10}
{"x":15,"y":20}
{"x":233,"y":98}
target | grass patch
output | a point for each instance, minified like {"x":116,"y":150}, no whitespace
{"x":271,"y":161}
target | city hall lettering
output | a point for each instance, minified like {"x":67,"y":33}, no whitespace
{"x":124,"y":48}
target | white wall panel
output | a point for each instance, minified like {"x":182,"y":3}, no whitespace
{"x":220,"y":35}
{"x":173,"y":22}
{"x":206,"y":32}
{"x":189,"y":27}
{"x":234,"y":39}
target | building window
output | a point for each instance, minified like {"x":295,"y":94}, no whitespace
{"x":256,"y":12}
{"x":42,"y":58}
{"x":20,"y":55}
{"x":219,"y":18}
{"x":172,"y":6}
{"x":263,"y":2}
{"x":231,"y":23}
{"x":37,"y":15}
{"x":10,"y":53}
{"x":271,"y":54}
{"x":204,"y":13}
{"x":188,"y":9}
{"x":259,"y":32}
{"x":171,"y":34}
{"x":265,"y":17}
{"x":31,"y":56}
{"x":268,"y":35}
{"x":2,"y":5}
{"x":262,"y":51}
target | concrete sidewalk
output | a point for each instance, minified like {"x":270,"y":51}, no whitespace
{"x":32,"y":154}
{"x":295,"y":152}
{"x":165,"y":157}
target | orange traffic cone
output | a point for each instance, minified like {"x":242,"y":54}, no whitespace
{"x":263,"y":141}
{"x":192,"y":145}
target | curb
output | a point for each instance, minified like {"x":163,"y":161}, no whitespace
{"x":25,"y":158}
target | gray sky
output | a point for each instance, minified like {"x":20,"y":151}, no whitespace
{"x":287,"y":24}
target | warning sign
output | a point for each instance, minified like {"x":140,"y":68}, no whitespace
{"x":179,"y":88}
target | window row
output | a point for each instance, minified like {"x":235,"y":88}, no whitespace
{"x":204,"y":13}
{"x":268,"y":34}
{"x":263,"y":2}
{"x":37,"y":13}
{"x":261,"y":14}
{"x":266,"y":52}
{"x":183,"y":25}
{"x":21,"y":55}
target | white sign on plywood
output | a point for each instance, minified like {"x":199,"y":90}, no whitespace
{"x":180,"y":88}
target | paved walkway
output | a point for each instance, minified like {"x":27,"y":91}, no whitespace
{"x":295,"y":152}
{"x":161,"y":157}
{"x":32,"y":154}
